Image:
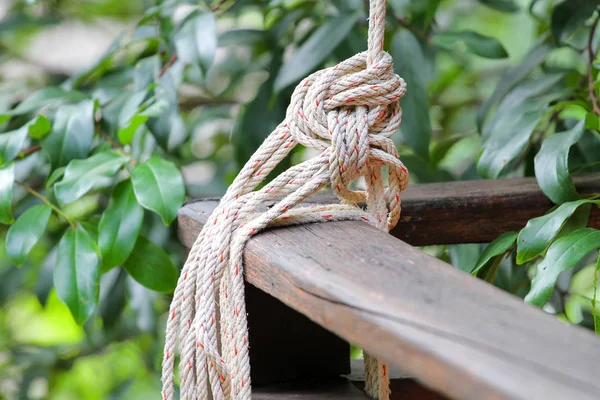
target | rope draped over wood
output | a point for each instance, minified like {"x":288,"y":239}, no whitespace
{"x":348,"y":112}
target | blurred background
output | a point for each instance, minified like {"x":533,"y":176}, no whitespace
{"x":199,"y":85}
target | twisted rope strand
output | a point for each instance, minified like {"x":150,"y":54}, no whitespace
{"x":348,"y":113}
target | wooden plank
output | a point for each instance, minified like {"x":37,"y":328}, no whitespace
{"x":403,"y":389}
{"x":339,"y":389}
{"x":408,"y":389}
{"x":454,"y":333}
{"x":402,"y":386}
{"x":458,"y":212}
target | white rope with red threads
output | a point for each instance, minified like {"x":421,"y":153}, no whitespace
{"x":348,"y":112}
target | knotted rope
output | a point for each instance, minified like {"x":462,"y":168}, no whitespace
{"x":348,"y":112}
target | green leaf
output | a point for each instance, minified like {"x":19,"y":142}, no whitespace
{"x":159,"y":187}
{"x":44,"y":97}
{"x":72,"y":134}
{"x":315,"y":50}
{"x":409,"y":62}
{"x":594,"y":313}
{"x":26,"y":232}
{"x":512,"y":76}
{"x":151,"y":266}
{"x":57,"y":174}
{"x":539,"y":232}
{"x":464,"y":256}
{"x":39,"y":127}
{"x":501,"y":5}
{"x":196,"y":40}
{"x":440,"y":148}
{"x":77,"y":274}
{"x":95,"y":172}
{"x":562,"y":255}
{"x":154,"y":108}
{"x":146,"y":72}
{"x":570,"y":15}
{"x":476,"y":43}
{"x":574,"y":306}
{"x":119,"y":226}
{"x":578,"y":220}
{"x":7,"y":178}
{"x":168,"y":129}
{"x":239,"y":37}
{"x":167,"y":125}
{"x":120,"y":54}
{"x":11,"y":143}
{"x":424,"y":171}
{"x":552,"y":165}
{"x":136,"y":112}
{"x":113,"y":299}
{"x":129,"y":119}
{"x":542,"y":90}
{"x":509,"y":138}
{"x":496,"y":248}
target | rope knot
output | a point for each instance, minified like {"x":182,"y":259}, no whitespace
{"x":350,"y":111}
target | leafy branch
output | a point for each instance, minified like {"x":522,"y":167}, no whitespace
{"x":43,"y":198}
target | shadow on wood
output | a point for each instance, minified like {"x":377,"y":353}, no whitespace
{"x":311,"y":390}
{"x":287,"y":346}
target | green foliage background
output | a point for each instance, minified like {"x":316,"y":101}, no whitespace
{"x":96,"y":161}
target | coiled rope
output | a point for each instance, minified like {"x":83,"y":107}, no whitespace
{"x":348,"y":112}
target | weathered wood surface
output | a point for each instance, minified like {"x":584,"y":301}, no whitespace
{"x":402,"y":389}
{"x":452,"y":332}
{"x":461,"y":212}
{"x":339,"y":389}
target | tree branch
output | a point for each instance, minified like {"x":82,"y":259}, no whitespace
{"x":29,"y":151}
{"x":45,"y":200}
{"x":220,"y":4}
{"x":168,"y":65}
{"x":591,"y":57}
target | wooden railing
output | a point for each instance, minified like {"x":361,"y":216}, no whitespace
{"x":453,"y":333}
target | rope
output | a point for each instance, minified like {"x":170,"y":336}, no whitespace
{"x":347,"y":112}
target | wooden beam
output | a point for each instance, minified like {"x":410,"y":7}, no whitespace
{"x":458,"y":212}
{"x":452,"y":332}
{"x":339,"y":389}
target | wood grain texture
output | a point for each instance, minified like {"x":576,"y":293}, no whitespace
{"x":402,"y":389}
{"x":455,"y":212}
{"x":408,"y":389}
{"x":311,"y":390}
{"x":452,"y":332}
